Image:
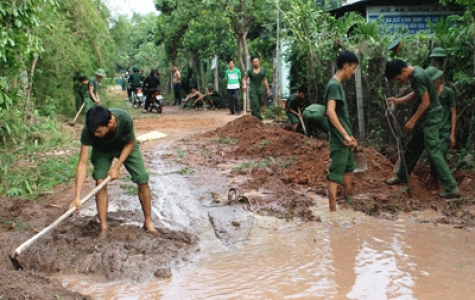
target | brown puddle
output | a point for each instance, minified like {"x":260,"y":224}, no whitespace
{"x":346,"y":256}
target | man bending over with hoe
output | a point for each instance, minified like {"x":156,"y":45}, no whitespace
{"x":340,"y":135}
{"x":424,"y":125}
{"x":110,"y":133}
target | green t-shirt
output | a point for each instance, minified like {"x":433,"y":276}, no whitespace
{"x":113,"y":141}
{"x":334,"y":91}
{"x":447,"y":100}
{"x":233,"y":78}
{"x":93,"y":82}
{"x":316,"y":108}
{"x":294,"y":103}
{"x":256,"y":79}
{"x":134,"y":80}
{"x":422,"y":83}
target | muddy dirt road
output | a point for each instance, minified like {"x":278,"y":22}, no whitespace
{"x":273,"y":239}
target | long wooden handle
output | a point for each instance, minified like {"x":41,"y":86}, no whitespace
{"x":68,"y":213}
{"x":301,"y":121}
{"x":244,"y":104}
{"x":77,"y":114}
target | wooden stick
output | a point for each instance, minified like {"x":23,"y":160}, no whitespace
{"x":77,"y":114}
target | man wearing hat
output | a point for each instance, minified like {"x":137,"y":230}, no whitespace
{"x":212,"y":97}
{"x":449,"y":117}
{"x":437,"y":57}
{"x":423,"y":126}
{"x":395,"y":47}
{"x":93,"y":86}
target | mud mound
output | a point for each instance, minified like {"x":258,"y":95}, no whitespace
{"x":282,"y":165}
{"x":125,"y":252}
{"x":29,"y":285}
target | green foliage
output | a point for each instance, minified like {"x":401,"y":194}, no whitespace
{"x":180,"y":153}
{"x":227,"y":141}
{"x":186,"y":170}
{"x":263,"y":144}
{"x":17,"y":225}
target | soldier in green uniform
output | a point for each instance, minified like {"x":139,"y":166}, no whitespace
{"x":340,"y":134}
{"x":258,"y":82}
{"x":110,"y":133}
{"x":134,"y":81}
{"x":314,"y":118}
{"x":437,"y":57}
{"x":424,"y":125}
{"x":395,"y":47}
{"x":293,"y":105}
{"x":93,"y":99}
{"x":449,"y":115}
{"x":212,"y":97}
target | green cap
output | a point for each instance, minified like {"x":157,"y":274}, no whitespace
{"x":438,"y":53}
{"x":101,"y":72}
{"x":394,"y":44}
{"x":210,"y":85}
{"x":434,"y":73}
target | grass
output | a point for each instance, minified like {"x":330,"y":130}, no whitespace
{"x":130,"y":189}
{"x":264,"y":163}
{"x":180,"y":153}
{"x":350,"y":200}
{"x":287,"y":162}
{"x":264,"y":143}
{"x":227,"y":141}
{"x":186,"y":170}
{"x":46,"y":159}
{"x":207,"y":153}
{"x":17,"y":225}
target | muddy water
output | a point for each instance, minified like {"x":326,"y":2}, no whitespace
{"x":346,"y":256}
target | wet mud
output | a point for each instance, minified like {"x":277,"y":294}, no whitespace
{"x":279,"y":170}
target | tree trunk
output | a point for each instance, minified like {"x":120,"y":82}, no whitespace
{"x":216,"y":74}
{"x":276,"y":79}
{"x":29,"y":88}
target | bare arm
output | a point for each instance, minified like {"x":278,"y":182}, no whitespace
{"x":80,"y":176}
{"x":267,"y":86}
{"x":91,"y":94}
{"x":335,"y":121}
{"x":423,"y":106}
{"x":114,"y":171}
{"x":405,"y":99}
{"x":200,"y":96}
{"x":453,"y":125}
{"x":244,"y":82}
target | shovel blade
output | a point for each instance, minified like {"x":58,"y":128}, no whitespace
{"x":361,"y":164}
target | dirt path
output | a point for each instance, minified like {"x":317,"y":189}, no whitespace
{"x":127,"y":252}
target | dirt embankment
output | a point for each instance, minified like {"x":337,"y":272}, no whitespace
{"x":285,"y":166}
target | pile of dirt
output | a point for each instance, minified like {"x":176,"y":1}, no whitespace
{"x":284,"y":165}
{"x":126,"y":251}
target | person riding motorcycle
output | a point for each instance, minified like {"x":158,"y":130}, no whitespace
{"x":150,"y":85}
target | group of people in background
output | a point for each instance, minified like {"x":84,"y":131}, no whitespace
{"x":432,"y":127}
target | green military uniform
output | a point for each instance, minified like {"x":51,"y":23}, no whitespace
{"x":215,"y":96}
{"x":256,"y":91}
{"x":293,"y":103}
{"x":341,"y":155}
{"x":447,"y":100}
{"x":104,"y":150}
{"x":314,"y":117}
{"x":425,"y":134}
{"x":135,"y":79}
{"x":88,"y":102}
